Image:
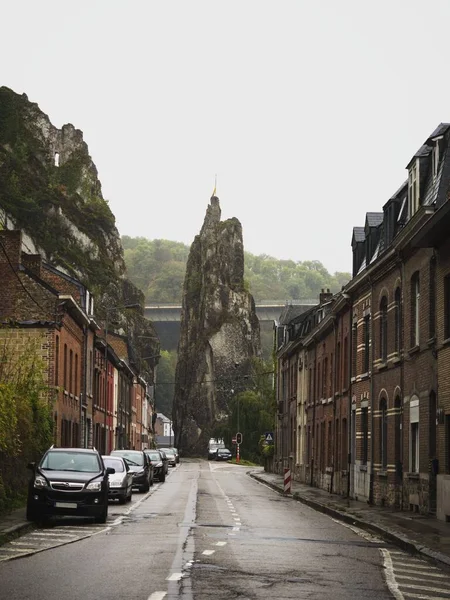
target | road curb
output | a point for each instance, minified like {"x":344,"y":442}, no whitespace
{"x":6,"y":535}
{"x":399,"y":540}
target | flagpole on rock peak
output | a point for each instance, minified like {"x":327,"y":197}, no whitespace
{"x":215,"y":186}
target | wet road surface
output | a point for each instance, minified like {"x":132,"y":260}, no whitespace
{"x":210,"y":531}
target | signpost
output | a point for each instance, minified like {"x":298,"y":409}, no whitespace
{"x":238,"y":443}
{"x":268,"y":438}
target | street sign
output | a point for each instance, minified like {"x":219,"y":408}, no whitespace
{"x":269,"y":437}
{"x":233,"y":441}
{"x":238,"y":438}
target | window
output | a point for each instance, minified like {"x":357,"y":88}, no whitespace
{"x":324,"y":377}
{"x":413,"y":189}
{"x":65,"y":367}
{"x":76,"y":375}
{"x":330,"y":379}
{"x":365,"y":434}
{"x":366,"y":338}
{"x":319,"y":381}
{"x":338,"y":367}
{"x":432,"y":409}
{"x":398,"y":434}
{"x":415,"y":300}
{"x":383,"y":328}
{"x":345,"y":361}
{"x":354,"y":349}
{"x":57,"y":360}
{"x":398,"y":319}
{"x":414,"y":435}
{"x":447,"y":307}
{"x":435,"y":158}
{"x":70,"y":371}
{"x":432,"y":299}
{"x":383,"y":434}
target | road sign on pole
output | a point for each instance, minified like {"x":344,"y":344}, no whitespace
{"x":233,"y":440}
{"x":268,"y":438}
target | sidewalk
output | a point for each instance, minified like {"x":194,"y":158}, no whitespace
{"x":414,"y":533}
{"x":13,"y":524}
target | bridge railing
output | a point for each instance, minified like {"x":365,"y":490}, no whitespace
{"x":293,"y":302}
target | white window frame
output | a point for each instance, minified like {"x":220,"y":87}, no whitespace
{"x":414,"y":433}
{"x":435,"y":157}
{"x":413,"y":188}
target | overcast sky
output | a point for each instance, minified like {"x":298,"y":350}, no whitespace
{"x":308,"y":111}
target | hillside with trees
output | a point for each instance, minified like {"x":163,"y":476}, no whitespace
{"x":157,"y":267}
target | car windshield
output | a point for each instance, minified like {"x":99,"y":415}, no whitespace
{"x":136,"y":459}
{"x":115,"y":463}
{"x":71,"y":461}
{"x":169,"y":451}
{"x":223,"y":451}
{"x":154,"y":455}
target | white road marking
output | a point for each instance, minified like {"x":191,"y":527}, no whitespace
{"x":174,"y":577}
{"x":423,"y":597}
{"x":221,"y":544}
{"x":426,"y":588}
{"x":410,"y":564}
{"x":208,"y":552}
{"x":235,"y":529}
{"x":418,"y":572}
{"x":54,"y":534}
{"x":389,"y":574}
{"x":157,"y":596}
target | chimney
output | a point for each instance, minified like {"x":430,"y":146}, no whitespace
{"x":11,"y":246}
{"x":325,"y":296}
{"x":32,"y":262}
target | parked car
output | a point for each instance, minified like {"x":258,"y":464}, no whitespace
{"x":140,"y":465}
{"x":69,"y":481}
{"x":165,"y":460}
{"x":213,"y":445}
{"x":171,"y":456}
{"x":223,"y":454}
{"x":159,"y":469}
{"x":121,"y":482}
{"x":177,"y":454}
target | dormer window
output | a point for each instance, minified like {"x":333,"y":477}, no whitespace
{"x":413,"y":188}
{"x":435,"y":156}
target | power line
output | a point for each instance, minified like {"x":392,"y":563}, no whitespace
{"x":18,"y":278}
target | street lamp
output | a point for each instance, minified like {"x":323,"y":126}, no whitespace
{"x":108,"y":310}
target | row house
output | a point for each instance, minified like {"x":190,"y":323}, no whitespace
{"x":377,"y":401}
{"x":98,"y":398}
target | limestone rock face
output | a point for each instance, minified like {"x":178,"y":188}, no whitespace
{"x":219,"y":332}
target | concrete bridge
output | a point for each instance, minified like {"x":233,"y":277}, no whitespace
{"x":267,"y":310}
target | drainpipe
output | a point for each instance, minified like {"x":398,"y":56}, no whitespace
{"x":350,"y":412}
{"x":372,"y":420}
{"x":333,"y":390}
{"x":402,"y":371}
{"x":313,"y":437}
{"x":83,"y":395}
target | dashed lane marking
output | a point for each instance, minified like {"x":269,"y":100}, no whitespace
{"x":221,"y":544}
{"x":157,"y":596}
{"x":208,"y":552}
{"x":174,"y":577}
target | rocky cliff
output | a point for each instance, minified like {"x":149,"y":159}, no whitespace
{"x":49,"y":188}
{"x":219,"y":332}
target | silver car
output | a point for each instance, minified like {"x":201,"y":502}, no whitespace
{"x":121,"y":482}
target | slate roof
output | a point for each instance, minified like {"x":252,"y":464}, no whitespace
{"x":440,"y":130}
{"x":374,"y":219}
{"x":290,"y":312}
{"x":400,"y":190}
{"x":358,"y":234}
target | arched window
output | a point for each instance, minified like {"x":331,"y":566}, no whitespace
{"x":398,"y":319}
{"x":383,"y":328}
{"x":383,"y":434}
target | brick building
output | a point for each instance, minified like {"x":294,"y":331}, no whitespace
{"x":390,"y":325}
{"x":97,"y":397}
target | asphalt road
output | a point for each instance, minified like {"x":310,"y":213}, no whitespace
{"x":210,"y":531}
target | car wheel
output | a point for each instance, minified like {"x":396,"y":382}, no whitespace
{"x":123,"y":499}
{"x":130,"y":495}
{"x":162,"y":477}
{"x":146,"y":487}
{"x":102,"y":518}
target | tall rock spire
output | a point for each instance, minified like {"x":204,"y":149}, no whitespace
{"x":219,"y":332}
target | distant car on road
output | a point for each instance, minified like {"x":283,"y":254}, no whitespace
{"x":159,"y":469}
{"x":69,"y":481}
{"x":177,"y":454}
{"x":140,"y":465}
{"x":213,"y":445}
{"x":171,"y":456}
{"x":121,"y":482}
{"x":223,"y":454}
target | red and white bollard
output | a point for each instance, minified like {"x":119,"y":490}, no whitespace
{"x":238,"y":458}
{"x":287,"y":481}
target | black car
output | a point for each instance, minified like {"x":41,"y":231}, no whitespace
{"x":141,"y":466}
{"x":223,"y":454}
{"x":159,"y":469}
{"x":69,"y":481}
